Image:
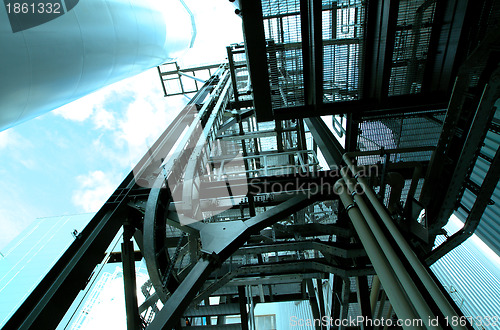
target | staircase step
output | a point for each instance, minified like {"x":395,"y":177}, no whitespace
{"x":213,"y":310}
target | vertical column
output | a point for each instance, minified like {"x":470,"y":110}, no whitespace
{"x":314,"y":302}
{"x":242,"y":299}
{"x":363,"y":295}
{"x":344,"y":307}
{"x":128,"y":262}
{"x":336,"y":297}
{"x":232,"y":69}
{"x":255,"y":39}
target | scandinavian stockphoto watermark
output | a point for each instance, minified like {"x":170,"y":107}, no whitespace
{"x":309,"y":183}
{"x":206,"y":175}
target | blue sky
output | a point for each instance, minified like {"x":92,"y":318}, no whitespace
{"x":70,"y":160}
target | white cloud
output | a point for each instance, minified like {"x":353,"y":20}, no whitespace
{"x":11,"y":139}
{"x":95,"y":189}
{"x":213,"y":35}
{"x":17,"y":147}
{"x":139,"y":123}
{"x":5,"y":138}
{"x":91,"y":106}
{"x":80,"y":109}
{"x":104,"y":119}
{"x":143,"y":123}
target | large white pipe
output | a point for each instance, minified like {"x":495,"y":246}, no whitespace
{"x":443,"y":304}
{"x":416,"y":298}
{"x":393,"y":288}
{"x":50,"y":59}
{"x":374,"y":293}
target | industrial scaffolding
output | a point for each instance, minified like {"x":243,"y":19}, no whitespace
{"x":319,"y":163}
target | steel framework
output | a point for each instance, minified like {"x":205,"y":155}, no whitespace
{"x":250,"y":196}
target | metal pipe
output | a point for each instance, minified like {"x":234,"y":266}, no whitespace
{"x":380,"y":263}
{"x":438,"y":296}
{"x":418,"y":301}
{"x":383,"y":300}
{"x":374,"y":293}
{"x":237,"y":6}
{"x":389,"y":312}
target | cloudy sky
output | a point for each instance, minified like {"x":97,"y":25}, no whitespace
{"x":70,"y":160}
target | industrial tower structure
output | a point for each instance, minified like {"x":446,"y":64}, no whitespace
{"x":320,"y":163}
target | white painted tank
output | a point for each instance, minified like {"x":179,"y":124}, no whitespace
{"x":53,"y":54}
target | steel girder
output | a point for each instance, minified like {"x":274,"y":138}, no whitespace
{"x":487,"y":188}
{"x":219,"y":242}
{"x":463,"y":132}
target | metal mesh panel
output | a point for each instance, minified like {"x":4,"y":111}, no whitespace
{"x":282,"y":27}
{"x":268,"y":143}
{"x":405,"y":131}
{"x":342,"y":30}
{"x":241,"y":72}
{"x":419,"y":189}
{"x":287,"y":82}
{"x":413,"y":32}
{"x":272,"y":8}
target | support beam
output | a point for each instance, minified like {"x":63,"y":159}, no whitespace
{"x":255,"y":40}
{"x":312,"y":51}
{"x":321,"y":298}
{"x":128,"y":262}
{"x":242,"y":300}
{"x":344,"y":301}
{"x":331,"y":149}
{"x":217,"y":251}
{"x":486,"y":191}
{"x":314,"y":302}
{"x":475,"y":137}
{"x":169,"y":315}
{"x":363,"y":295}
{"x":230,"y":59}
{"x":352,"y":132}
{"x":328,"y":248}
{"x":336,"y":297}
{"x":369,"y":107}
{"x":444,"y":45}
{"x":381,"y":27}
{"x":117,"y":256}
{"x":305,"y":266}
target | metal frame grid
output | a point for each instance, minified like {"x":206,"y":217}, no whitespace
{"x":343,"y":25}
{"x":177,"y":81}
{"x":282,"y":27}
{"x":413,"y":34}
{"x":404,"y":131}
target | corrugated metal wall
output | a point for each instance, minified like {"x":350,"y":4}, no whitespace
{"x":473,"y":280}
{"x":289,"y":315}
{"x":489,"y":226}
{"x":28,"y":258}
